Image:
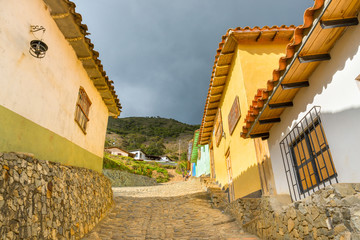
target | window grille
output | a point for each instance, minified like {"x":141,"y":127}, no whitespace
{"x":306,"y":156}
{"x":82,"y":110}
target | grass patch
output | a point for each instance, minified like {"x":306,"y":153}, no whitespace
{"x":130,"y":165}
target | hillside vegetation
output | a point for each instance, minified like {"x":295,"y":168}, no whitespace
{"x":152,"y":170}
{"x":153,"y":135}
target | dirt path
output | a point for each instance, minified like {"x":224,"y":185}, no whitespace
{"x":169,"y":189}
{"x":174,"y":176}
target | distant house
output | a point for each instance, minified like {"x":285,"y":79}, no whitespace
{"x":138,"y":154}
{"x":310,"y":110}
{"x":166,"y":159}
{"x":152,"y":158}
{"x":118,"y":151}
{"x":203,"y":161}
{"x":56,"y":107}
{"x":199,"y":156}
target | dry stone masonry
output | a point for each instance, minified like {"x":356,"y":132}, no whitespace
{"x":330,"y":213}
{"x":46,"y":200}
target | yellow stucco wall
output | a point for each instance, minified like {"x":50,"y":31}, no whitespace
{"x":258,"y":63}
{"x":252,"y":66}
{"x":45,"y":91}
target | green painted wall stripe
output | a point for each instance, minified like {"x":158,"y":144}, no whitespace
{"x":18,"y":134}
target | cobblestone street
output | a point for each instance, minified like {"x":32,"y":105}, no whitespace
{"x":171,"y":211}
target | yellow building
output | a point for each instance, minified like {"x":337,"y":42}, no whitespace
{"x":245,"y":58}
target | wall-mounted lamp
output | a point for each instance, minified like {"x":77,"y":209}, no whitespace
{"x":37,"y":47}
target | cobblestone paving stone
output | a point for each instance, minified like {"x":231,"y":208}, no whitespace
{"x":171,"y":211}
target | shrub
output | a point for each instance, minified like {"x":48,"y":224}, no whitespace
{"x":137,"y":167}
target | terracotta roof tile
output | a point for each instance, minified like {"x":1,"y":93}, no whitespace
{"x":223,"y":49}
{"x":77,"y":18}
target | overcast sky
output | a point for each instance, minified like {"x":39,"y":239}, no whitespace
{"x":160,"y":53}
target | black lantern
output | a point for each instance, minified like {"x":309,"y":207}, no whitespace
{"x":37,"y":47}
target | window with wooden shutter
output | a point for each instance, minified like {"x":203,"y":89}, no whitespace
{"x":307,"y":158}
{"x":312,"y":157}
{"x":82,"y":109}
{"x":234,"y":115}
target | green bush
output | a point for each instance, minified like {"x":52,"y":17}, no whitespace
{"x":181,"y":168}
{"x":136,"y":167}
{"x":169,"y":166}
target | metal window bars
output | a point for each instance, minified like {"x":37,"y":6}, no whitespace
{"x":306,"y":157}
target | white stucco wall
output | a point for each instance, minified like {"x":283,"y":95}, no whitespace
{"x":45,"y":91}
{"x":334,"y":88}
{"x":203,"y":163}
{"x":139,"y":155}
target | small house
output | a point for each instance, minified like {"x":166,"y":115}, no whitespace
{"x":138,"y":154}
{"x":118,"y":151}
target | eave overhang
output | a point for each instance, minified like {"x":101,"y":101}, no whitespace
{"x":324,"y":24}
{"x":69,"y":23}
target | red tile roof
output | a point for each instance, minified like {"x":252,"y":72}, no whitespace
{"x":70,"y":24}
{"x":227,"y":46}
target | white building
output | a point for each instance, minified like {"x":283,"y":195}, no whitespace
{"x":54,"y":104}
{"x":310,"y":111}
{"x":138,"y":154}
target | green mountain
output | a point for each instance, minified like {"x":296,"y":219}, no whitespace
{"x":153,"y":135}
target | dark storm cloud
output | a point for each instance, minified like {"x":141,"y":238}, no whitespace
{"x":160,"y":53}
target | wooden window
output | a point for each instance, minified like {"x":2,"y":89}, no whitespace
{"x":218,"y":128}
{"x":234,"y":115}
{"x":82,"y":109}
{"x":306,"y":156}
{"x":312,"y":157}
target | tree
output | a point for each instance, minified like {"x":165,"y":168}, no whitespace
{"x":156,"y":147}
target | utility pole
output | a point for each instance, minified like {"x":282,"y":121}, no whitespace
{"x":179,"y":150}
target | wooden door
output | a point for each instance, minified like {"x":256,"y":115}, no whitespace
{"x":265,"y":167}
{"x":212,"y":163}
{"x":230,"y":176}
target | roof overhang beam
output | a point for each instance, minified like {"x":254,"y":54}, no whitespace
{"x":335,"y":23}
{"x":314,"y":58}
{"x":286,"y":86}
{"x":263,"y":136}
{"x":269,"y":120}
{"x":280,"y":105}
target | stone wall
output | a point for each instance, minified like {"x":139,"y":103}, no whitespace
{"x":330,"y":213}
{"x":46,"y":200}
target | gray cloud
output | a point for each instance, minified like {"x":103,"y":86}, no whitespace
{"x":160,"y":53}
